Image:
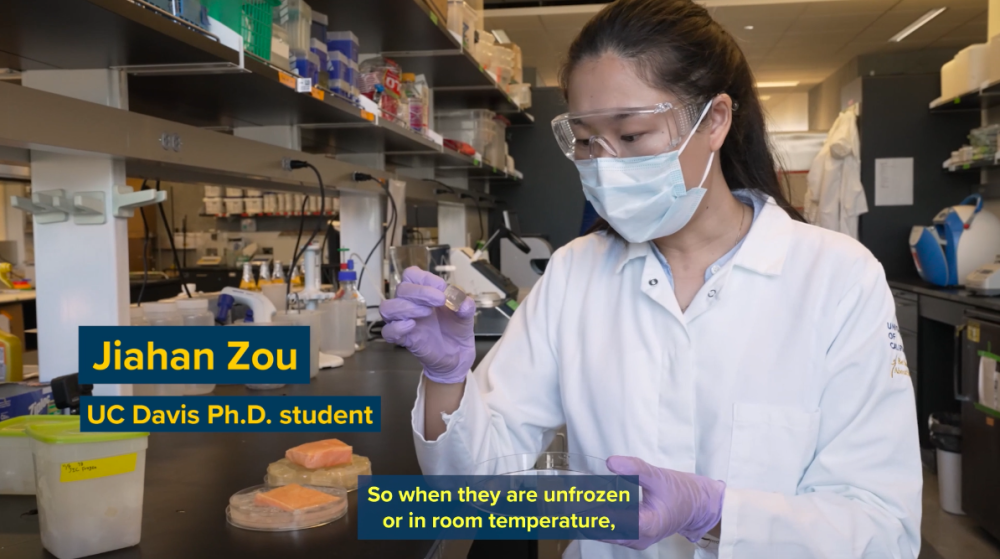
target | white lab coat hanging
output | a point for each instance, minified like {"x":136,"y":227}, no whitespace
{"x":835,"y":197}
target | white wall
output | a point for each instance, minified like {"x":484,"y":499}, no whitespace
{"x":786,"y":112}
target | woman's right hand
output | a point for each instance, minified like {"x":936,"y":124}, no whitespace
{"x":442,"y":340}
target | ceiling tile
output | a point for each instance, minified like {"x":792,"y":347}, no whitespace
{"x":848,"y":7}
{"x":565,"y":21}
{"x":852,"y":23}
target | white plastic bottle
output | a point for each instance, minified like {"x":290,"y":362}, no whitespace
{"x":160,"y":314}
{"x":137,"y":317}
{"x":194,"y":312}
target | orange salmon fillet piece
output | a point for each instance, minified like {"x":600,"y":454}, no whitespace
{"x":320,"y":454}
{"x":293,"y":497}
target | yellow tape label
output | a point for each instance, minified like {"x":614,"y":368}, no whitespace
{"x":99,"y":467}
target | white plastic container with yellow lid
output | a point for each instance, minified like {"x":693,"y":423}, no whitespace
{"x":17,"y":471}
{"x":89,"y":487}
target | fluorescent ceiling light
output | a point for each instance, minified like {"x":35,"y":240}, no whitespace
{"x":748,"y":27}
{"x":765,"y":97}
{"x":501,"y":36}
{"x":768,"y":85}
{"x":921,"y":21}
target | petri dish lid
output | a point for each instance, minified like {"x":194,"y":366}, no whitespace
{"x":16,"y":426}
{"x":546,"y":463}
{"x":192,"y":304}
{"x":68,"y":432}
{"x":242,"y":512}
{"x":495,"y":472}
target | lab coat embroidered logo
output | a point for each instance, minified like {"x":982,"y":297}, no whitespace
{"x":899,"y":367}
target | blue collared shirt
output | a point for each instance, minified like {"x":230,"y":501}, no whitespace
{"x":743,"y":195}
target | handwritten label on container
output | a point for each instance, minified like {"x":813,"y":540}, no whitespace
{"x":98,"y":467}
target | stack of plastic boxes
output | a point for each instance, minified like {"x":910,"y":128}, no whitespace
{"x":213,"y":200}
{"x":463,"y":21}
{"x":472,"y":126}
{"x":235,"y":204}
{"x":342,"y":50}
{"x":318,"y":47}
{"x":296,"y":17}
{"x":253,"y":204}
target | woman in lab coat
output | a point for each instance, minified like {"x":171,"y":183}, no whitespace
{"x":745,"y":365}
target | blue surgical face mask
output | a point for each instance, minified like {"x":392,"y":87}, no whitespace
{"x":643,"y":198}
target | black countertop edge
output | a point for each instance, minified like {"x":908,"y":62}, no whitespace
{"x":956,"y":294}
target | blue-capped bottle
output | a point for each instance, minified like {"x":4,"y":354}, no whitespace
{"x":349,"y":283}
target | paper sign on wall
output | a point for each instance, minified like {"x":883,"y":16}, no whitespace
{"x":894,"y":181}
{"x":989,"y":383}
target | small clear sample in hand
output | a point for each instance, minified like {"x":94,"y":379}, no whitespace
{"x":454,"y":297}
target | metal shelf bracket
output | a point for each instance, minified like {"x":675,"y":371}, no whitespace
{"x":124,"y":201}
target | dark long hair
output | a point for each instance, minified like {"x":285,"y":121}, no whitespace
{"x":676,"y":46}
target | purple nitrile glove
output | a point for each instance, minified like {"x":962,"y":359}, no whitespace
{"x":442,"y":340}
{"x":672,"y":502}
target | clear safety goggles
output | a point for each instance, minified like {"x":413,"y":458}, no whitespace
{"x":628,"y":132}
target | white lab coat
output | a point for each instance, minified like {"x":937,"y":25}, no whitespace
{"x":784,"y":378}
{"x":835,"y":198}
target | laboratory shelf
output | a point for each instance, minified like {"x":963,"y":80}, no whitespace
{"x":986,"y":97}
{"x":972,"y":165}
{"x":219,"y":96}
{"x":82,"y":34}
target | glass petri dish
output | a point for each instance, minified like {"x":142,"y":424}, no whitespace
{"x":243,"y":513}
{"x":345,"y":477}
{"x":546,"y":463}
{"x":454,"y":297}
{"x":495,"y":473}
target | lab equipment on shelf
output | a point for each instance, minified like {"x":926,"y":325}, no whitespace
{"x":318,"y":48}
{"x":463,"y":20}
{"x":983,"y":147}
{"x":965,"y":73}
{"x":418,"y":99}
{"x":380,"y":81}
{"x":90,"y":488}
{"x":252,"y":19}
{"x":961,"y":238}
{"x":319,"y":26}
{"x":471,"y":126}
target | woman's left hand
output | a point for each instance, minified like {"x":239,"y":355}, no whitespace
{"x":672,"y":502}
